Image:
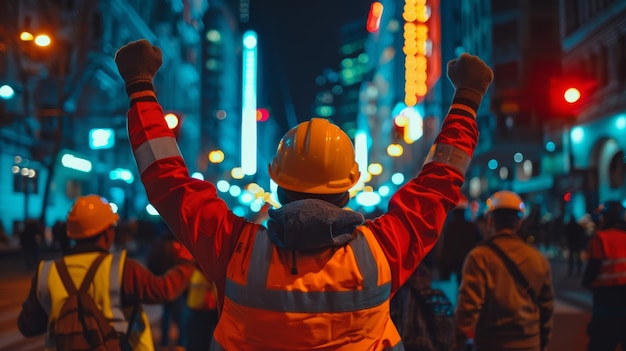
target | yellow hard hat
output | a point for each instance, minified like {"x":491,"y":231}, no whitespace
{"x":505,"y":199}
{"x":315,"y":157}
{"x":90,"y":215}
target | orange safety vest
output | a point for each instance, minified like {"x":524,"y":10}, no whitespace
{"x":613,"y":256}
{"x":106,"y":291}
{"x":338,"y":299}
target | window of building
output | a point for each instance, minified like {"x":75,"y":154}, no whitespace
{"x":501,"y":6}
{"x":616,"y":170}
{"x":603,"y":66}
{"x":505,"y":73}
{"x":571,"y":16}
{"x":25,"y":184}
{"x":621,"y":58}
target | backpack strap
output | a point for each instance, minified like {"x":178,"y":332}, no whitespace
{"x":512,"y":267}
{"x":67,"y":279}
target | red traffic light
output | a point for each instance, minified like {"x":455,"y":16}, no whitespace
{"x":262,"y":114}
{"x":374,"y":16}
{"x":571,"y":95}
{"x":567,"y":196}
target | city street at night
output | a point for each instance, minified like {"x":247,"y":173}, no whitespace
{"x":294,"y":162}
{"x":573,"y":305}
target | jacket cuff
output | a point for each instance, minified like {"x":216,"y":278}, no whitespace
{"x":140,"y":91}
{"x":466,"y":102}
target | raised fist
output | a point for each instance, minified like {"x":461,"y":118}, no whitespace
{"x":138,"y":61}
{"x":468,"y":72}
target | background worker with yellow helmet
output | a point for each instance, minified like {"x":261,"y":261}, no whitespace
{"x":318,"y":276}
{"x":119,"y":283}
{"x":505,"y":300}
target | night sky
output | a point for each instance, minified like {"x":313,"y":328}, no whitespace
{"x":298,"y":39}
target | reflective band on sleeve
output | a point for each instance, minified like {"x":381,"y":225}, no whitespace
{"x":256,"y":294}
{"x":154,"y":150}
{"x":611,"y":276}
{"x":446,"y":153}
{"x":613,"y":261}
{"x":115,"y":291}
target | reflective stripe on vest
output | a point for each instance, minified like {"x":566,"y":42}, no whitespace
{"x":154,"y":150}
{"x":448,"y":154}
{"x":613,"y":269}
{"x":307,"y":301}
{"x":215,"y":346}
{"x":118,"y":322}
{"x":608,"y":270}
{"x":318,"y":305}
{"x":43,"y":293}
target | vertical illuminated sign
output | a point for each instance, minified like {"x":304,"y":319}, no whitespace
{"x":249,"y":104}
{"x":421,"y":68}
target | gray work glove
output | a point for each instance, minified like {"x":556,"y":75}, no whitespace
{"x":138,"y":61}
{"x":470,"y":76}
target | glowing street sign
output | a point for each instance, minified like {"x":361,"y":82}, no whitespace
{"x":101,"y":138}
{"x":122,"y":174}
{"x":76,"y":163}
{"x":249,"y":104}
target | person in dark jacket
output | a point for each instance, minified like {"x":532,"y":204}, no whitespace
{"x":162,"y":257}
{"x":458,"y":237}
{"x":91,"y":223}
{"x":31,"y":238}
{"x":576,"y":243}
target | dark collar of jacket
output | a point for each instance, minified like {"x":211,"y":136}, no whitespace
{"x":504,"y":233}
{"x":85,"y":247}
{"x":312,"y":224}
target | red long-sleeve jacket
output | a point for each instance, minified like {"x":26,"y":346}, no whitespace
{"x":205,"y":225}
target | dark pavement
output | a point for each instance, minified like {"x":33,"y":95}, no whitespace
{"x":573,"y":304}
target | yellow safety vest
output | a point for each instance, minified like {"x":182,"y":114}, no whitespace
{"x":199,"y":287}
{"x":105,"y":290}
{"x":337,"y":300}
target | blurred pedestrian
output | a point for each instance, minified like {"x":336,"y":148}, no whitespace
{"x":31,"y":239}
{"x":319,"y":276}
{"x":203,"y":314}
{"x":458,"y":238}
{"x":605,"y":275}
{"x":120,"y":284}
{"x":505,"y":300}
{"x":59,"y":235}
{"x":162,"y":257}
{"x":576,"y":240}
{"x":424,"y":316}
{"x":4,"y":238}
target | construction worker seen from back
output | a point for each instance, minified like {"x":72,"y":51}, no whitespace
{"x":318,"y":276}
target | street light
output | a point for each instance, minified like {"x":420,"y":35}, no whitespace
{"x":39,"y":39}
{"x":28,"y":180}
